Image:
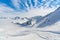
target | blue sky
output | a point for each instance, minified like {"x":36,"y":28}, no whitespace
{"x":22,"y":5}
{"x":7,"y":2}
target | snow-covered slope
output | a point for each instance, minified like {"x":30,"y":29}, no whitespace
{"x":51,"y":18}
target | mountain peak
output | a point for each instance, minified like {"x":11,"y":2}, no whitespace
{"x":51,"y":18}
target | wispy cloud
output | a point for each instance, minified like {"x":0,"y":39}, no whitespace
{"x":32,"y":10}
{"x":36,"y":3}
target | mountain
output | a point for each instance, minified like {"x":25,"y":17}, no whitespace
{"x":47,"y":20}
{"x":37,"y":18}
{"x":25,"y":22}
{"x":51,"y":18}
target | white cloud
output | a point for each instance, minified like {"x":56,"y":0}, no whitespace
{"x":15,"y":3}
{"x":39,"y":11}
{"x":7,"y":11}
{"x":5,"y":8}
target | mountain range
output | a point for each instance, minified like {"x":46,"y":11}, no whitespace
{"x":43,"y":21}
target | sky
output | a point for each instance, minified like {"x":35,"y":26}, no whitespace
{"x":29,"y":6}
{"x":7,"y":2}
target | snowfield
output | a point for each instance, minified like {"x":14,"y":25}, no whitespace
{"x":10,"y":31}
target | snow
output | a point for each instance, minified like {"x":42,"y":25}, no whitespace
{"x":11,"y":31}
{"x":21,"y":21}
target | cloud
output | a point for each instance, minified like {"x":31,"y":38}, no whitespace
{"x":5,"y":10}
{"x":35,"y":3}
{"x":32,"y":11}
